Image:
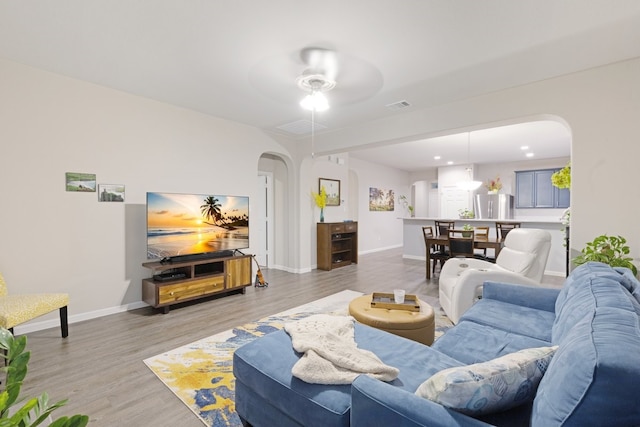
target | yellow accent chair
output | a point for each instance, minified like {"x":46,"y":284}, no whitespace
{"x":17,"y":309}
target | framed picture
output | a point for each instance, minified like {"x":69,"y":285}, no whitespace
{"x":111,"y":192}
{"x":84,"y":182}
{"x":381,"y":200}
{"x":332,"y":187}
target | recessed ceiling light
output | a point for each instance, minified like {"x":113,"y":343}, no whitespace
{"x":524,"y":147}
{"x":449,"y":162}
{"x":436,"y":157}
{"x":529,"y":154}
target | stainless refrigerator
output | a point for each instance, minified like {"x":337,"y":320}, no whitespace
{"x":493,"y":206}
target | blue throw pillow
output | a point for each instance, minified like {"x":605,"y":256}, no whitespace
{"x":493,"y":386}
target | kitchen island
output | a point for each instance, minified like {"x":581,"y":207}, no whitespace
{"x":414,"y":248}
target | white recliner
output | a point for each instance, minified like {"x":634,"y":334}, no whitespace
{"x":522,"y":261}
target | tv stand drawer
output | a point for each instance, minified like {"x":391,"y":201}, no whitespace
{"x":168,"y":294}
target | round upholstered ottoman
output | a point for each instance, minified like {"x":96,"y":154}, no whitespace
{"x":415,"y":325}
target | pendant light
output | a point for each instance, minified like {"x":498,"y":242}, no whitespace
{"x":469,"y":184}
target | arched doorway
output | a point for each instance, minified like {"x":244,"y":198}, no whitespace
{"x":271,"y":218}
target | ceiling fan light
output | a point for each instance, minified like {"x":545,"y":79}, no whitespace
{"x":315,"y":101}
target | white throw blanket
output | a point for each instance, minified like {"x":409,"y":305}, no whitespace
{"x":331,"y":355}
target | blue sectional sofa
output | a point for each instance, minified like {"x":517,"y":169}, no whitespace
{"x":593,"y":379}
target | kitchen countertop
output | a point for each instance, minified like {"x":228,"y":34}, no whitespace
{"x":530,"y":220}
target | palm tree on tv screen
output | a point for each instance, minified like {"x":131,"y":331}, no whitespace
{"x":211,"y":209}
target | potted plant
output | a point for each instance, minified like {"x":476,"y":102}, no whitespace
{"x":405,"y":202}
{"x":34,"y":411}
{"x":466,"y":214}
{"x":466,"y":230}
{"x":610,"y":250}
{"x":321,"y":201}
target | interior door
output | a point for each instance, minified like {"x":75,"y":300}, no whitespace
{"x":263,"y":219}
{"x":453,"y":200}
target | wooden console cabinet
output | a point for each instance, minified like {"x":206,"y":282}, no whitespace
{"x":337,"y":244}
{"x":194,"y":279}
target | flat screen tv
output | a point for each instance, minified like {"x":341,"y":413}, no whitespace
{"x":194,"y":225}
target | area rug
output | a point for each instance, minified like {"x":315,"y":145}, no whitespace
{"x":200,"y":374}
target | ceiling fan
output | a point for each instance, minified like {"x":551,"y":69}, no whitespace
{"x":318,"y":78}
{"x":282,"y":76}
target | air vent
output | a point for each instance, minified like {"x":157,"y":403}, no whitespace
{"x":398,"y":105}
{"x":301,"y":127}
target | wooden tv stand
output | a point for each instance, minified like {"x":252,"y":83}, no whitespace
{"x":180,"y":281}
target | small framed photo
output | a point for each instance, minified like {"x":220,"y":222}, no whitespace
{"x":83,"y":182}
{"x":332,"y":187}
{"x":111,"y":192}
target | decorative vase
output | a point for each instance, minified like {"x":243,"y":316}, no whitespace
{"x":321,"y":214}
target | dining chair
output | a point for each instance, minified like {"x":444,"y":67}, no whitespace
{"x":460,"y":243}
{"x":503,"y":228}
{"x":435,"y":253}
{"x":441,"y":229}
{"x":443,"y":226}
{"x":481,"y":233}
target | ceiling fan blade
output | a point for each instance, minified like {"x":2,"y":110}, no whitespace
{"x":320,"y":61}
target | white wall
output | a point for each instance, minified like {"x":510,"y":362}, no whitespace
{"x":379,"y":230}
{"x":58,"y":241}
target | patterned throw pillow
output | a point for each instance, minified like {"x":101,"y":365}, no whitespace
{"x":492,"y":386}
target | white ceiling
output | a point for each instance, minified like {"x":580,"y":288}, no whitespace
{"x":526,"y":141}
{"x":239,"y":59}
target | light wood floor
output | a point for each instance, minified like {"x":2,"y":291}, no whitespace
{"x":99,"y":366}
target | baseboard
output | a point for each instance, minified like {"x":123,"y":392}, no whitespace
{"x":289,"y":269}
{"x":55,"y":323}
{"x":386,"y":248}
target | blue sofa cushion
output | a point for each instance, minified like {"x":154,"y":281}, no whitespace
{"x":264,"y":366}
{"x":512,"y":318}
{"x":593,"y":378}
{"x":492,"y":386}
{"x":471,"y":342}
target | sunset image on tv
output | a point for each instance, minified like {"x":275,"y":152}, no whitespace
{"x":186,"y":224}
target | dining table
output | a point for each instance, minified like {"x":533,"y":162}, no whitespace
{"x":479,"y":242}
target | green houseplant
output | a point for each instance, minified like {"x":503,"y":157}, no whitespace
{"x":466,"y":214}
{"x":466,"y":230}
{"x":610,"y":250}
{"x":405,"y":203}
{"x":34,"y":411}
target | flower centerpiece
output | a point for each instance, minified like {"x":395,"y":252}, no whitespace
{"x":494,"y":185}
{"x":562,"y":178}
{"x":466,"y":230}
{"x":321,"y":201}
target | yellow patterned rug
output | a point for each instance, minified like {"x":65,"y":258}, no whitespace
{"x":201,"y":373}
